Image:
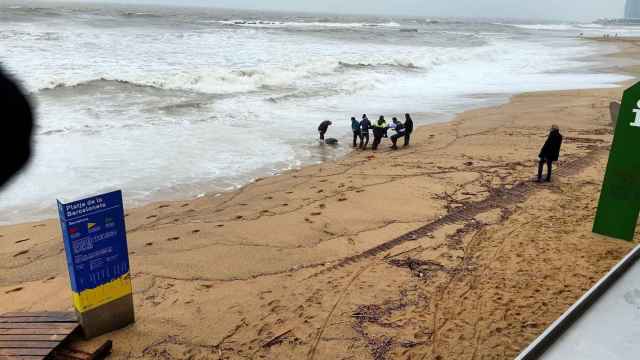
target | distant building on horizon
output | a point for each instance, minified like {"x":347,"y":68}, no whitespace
{"x":632,"y":9}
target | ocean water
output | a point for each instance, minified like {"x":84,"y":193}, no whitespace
{"x":169,"y":103}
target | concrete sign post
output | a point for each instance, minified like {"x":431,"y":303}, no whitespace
{"x":95,"y":243}
{"x":619,"y":205}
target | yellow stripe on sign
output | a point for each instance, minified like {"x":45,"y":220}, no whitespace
{"x":92,"y":298}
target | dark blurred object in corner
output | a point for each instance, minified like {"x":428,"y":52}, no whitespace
{"x":17,"y":126}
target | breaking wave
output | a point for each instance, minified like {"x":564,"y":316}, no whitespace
{"x":406,"y":66}
{"x":284,"y":24}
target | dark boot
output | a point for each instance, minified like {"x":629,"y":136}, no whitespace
{"x":540,"y":168}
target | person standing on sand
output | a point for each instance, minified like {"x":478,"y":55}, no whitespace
{"x":399,"y":128}
{"x":378,"y":132}
{"x":385,"y":127}
{"x":408,"y":129}
{"x":365,"y":124}
{"x":322,"y":129}
{"x":550,"y":152}
{"x":355,"y":127}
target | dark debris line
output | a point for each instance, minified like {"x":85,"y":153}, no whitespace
{"x":498,"y":198}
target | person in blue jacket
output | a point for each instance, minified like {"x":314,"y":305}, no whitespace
{"x":365,"y":125}
{"x":355,"y":127}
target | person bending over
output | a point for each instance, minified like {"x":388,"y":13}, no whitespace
{"x":408,"y":129}
{"x":399,"y":128}
{"x":355,"y":127}
{"x":322,"y":129}
{"x":365,"y":124}
{"x":550,"y":152}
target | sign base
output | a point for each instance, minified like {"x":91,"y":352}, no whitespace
{"x":111,"y":316}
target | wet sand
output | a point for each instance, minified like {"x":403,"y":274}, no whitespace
{"x":443,"y":250}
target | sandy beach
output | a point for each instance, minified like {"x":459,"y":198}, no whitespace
{"x":443,"y":250}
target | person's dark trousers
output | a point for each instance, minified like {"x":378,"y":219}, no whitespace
{"x":407,"y":138}
{"x":322,"y":135}
{"x":376,"y":141}
{"x":356,"y":136}
{"x":364,"y":140}
{"x":394,"y":140}
{"x":549,"y":169}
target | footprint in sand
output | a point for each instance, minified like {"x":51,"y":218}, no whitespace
{"x":173,"y":238}
{"x":308,"y":220}
{"x":268,"y":198}
{"x":149,"y":244}
{"x":289,"y":192}
{"x":20,"y":253}
{"x":322,"y":206}
{"x":21,"y":241}
{"x":342,"y":199}
{"x":239,"y":217}
{"x":152,"y":216}
{"x":285,"y":204}
{"x":184,"y":205}
{"x":195,"y":231}
{"x":220,"y":225}
{"x":316,"y":213}
{"x":14,"y":290}
{"x":163,"y":206}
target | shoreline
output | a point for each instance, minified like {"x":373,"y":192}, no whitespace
{"x":442,"y":250}
{"x":204,"y":188}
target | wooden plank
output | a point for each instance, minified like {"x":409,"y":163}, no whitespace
{"x":29,"y":352}
{"x":55,"y":314}
{"x":29,"y":337}
{"x":36,"y":319}
{"x":38,"y":325}
{"x":64,"y":332}
{"x":28,"y":344}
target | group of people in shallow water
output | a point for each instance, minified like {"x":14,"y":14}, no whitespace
{"x":361,"y":131}
{"x":549,"y":153}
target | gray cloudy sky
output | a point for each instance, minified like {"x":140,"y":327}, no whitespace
{"x":539,"y":9}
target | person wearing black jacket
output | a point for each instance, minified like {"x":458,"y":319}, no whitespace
{"x":408,"y":129}
{"x":550,"y":152}
{"x":365,"y":124}
{"x":323,"y":127}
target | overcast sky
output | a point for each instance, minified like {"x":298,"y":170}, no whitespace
{"x":538,"y":9}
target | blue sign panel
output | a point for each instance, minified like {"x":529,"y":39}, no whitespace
{"x":96,"y":247}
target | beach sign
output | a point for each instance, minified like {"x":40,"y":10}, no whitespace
{"x":619,"y":206}
{"x":95,"y":243}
